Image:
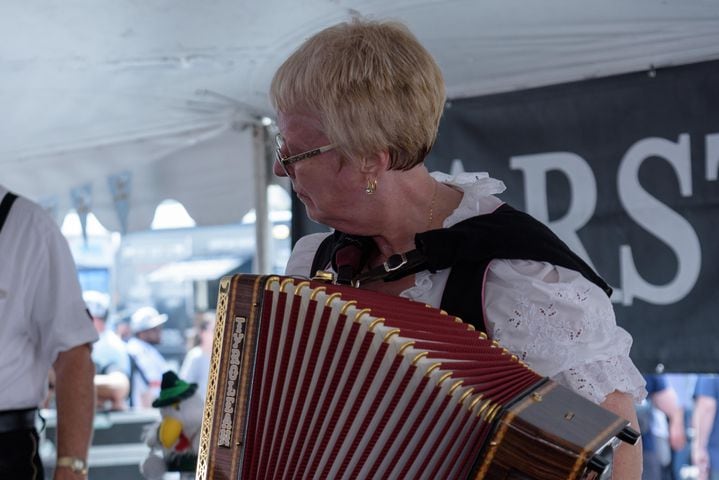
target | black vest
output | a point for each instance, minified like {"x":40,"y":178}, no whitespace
{"x":468,"y":247}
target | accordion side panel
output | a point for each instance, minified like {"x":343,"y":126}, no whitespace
{"x":548,"y":435}
{"x":230,"y":378}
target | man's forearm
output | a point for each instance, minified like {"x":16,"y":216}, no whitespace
{"x":75,"y":400}
{"x":703,"y":419}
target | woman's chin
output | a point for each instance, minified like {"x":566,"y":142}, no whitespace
{"x":345,"y":222}
{"x":320,"y":217}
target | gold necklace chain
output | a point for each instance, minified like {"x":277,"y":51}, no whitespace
{"x":431,"y":206}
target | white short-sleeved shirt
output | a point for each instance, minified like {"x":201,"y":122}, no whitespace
{"x":152,"y":364}
{"x":555,"y":320}
{"x":41,"y":308}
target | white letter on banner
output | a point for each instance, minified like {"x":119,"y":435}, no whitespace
{"x":583,"y":193}
{"x":660,"y":220}
{"x":712,"y":156}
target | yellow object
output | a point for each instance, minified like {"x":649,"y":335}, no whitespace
{"x":169,"y":431}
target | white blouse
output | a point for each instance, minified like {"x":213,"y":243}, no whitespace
{"x":556,"y":321}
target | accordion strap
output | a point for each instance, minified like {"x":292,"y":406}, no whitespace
{"x":349,"y":255}
{"x":469,"y":245}
{"x":397,"y":266}
{"x":7,"y":202}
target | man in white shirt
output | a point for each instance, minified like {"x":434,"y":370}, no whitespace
{"x":44,"y":324}
{"x":148,"y":364}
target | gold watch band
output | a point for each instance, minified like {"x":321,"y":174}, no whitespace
{"x":77,"y":465}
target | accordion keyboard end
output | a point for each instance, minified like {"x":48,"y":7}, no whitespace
{"x":552,"y":434}
{"x":598,"y":464}
{"x":629,"y":435}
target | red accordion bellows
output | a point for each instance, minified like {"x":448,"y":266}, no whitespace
{"x":319,"y":381}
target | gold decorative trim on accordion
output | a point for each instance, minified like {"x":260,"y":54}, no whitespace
{"x":320,"y":381}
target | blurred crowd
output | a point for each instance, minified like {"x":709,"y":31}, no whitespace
{"x":128,"y":363}
{"x":680,"y":435}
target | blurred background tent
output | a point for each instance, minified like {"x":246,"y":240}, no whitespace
{"x":127,"y":103}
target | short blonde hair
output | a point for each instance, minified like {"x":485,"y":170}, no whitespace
{"x":372,"y":86}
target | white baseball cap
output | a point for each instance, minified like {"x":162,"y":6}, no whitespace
{"x":146,"y":318}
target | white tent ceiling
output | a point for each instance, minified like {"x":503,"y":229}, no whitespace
{"x":90,"y":88}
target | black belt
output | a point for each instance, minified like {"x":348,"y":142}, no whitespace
{"x":16,"y":420}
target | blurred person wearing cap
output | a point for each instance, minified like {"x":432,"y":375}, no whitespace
{"x":147,"y":363}
{"x":109,"y":353}
{"x":44,"y":323}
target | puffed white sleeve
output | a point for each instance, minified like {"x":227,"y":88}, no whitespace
{"x":303,"y":253}
{"x":562,"y":326}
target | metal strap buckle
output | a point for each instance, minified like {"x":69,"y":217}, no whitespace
{"x":395,"y":262}
{"x":324,"y":276}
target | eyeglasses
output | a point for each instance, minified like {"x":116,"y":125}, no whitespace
{"x":287,"y":161}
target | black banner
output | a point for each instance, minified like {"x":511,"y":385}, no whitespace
{"x":623,"y":169}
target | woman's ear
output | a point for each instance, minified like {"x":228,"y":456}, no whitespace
{"x":376,"y":163}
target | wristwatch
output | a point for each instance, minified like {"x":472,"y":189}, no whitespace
{"x":77,"y":465}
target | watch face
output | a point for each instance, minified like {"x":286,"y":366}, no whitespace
{"x":77,"y":465}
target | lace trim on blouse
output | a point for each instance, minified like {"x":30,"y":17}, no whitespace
{"x":596,"y":380}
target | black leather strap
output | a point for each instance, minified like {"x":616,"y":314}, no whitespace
{"x":5,"y":205}
{"x":348,"y":255}
{"x":397,"y":266}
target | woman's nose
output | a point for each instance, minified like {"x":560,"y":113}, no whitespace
{"x":279,"y":170}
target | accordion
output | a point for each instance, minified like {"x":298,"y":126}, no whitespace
{"x":313,"y":380}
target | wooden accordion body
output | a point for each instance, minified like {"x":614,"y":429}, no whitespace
{"x":309,"y":380}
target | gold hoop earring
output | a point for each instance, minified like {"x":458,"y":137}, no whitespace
{"x":371,"y":186}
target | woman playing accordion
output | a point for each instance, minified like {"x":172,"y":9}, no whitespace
{"x":358,"y":107}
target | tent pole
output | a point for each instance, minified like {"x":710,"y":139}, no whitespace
{"x":259,"y":140}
